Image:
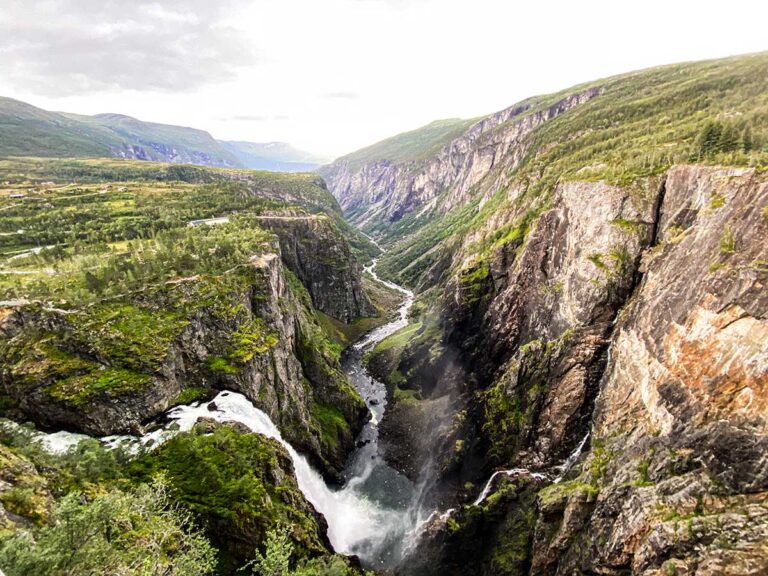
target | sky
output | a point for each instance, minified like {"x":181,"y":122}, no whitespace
{"x":332,"y":76}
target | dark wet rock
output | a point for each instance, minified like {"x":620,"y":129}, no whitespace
{"x":313,"y":248}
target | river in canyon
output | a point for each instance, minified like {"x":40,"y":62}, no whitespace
{"x":377,"y":513}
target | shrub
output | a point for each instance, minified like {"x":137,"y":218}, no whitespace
{"x":139,"y":533}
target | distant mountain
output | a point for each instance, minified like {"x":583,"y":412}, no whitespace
{"x":26,"y":130}
{"x":150,"y":141}
{"x":29,"y":131}
{"x":275,"y":156}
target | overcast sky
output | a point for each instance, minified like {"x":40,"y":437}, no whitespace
{"x":331,"y":76}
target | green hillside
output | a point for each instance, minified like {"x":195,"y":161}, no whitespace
{"x":132,"y":130}
{"x":712,"y":112}
{"x":27,"y":130}
{"x":411,"y":146}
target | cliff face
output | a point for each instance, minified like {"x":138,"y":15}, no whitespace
{"x":108,"y":368}
{"x":535,"y":318}
{"x":648,"y":304}
{"x":314,"y":250}
{"x":160,"y":152}
{"x":381,"y":191}
{"x":681,"y":417}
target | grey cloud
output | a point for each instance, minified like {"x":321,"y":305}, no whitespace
{"x":67,"y":47}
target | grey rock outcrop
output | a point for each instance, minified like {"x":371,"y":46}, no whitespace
{"x":313,"y":249}
{"x":389,"y":191}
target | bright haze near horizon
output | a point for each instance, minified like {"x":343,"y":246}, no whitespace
{"x":334,"y":76}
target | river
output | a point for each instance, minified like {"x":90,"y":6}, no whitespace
{"x":376,"y":514}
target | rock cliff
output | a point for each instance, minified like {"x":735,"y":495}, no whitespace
{"x":313,"y":248}
{"x":590,"y":321}
{"x":649,"y":305}
{"x":108,"y":368}
{"x":680,"y":422}
{"x":381,"y":191}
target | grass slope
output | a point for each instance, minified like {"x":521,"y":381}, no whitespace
{"x":411,"y":146}
{"x":643,"y":123}
{"x":25,"y":130}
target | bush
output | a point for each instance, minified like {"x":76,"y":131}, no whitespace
{"x":139,"y":533}
{"x":276,"y":560}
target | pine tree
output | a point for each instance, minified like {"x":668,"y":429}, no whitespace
{"x":729,"y":139}
{"x":708,"y":140}
{"x":747,"y":142}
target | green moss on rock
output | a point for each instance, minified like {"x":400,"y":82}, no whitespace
{"x":333,"y":426}
{"x":79,"y":389}
{"x":240,"y":486}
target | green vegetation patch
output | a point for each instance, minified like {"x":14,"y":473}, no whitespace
{"x":115,"y":532}
{"x":399,"y":339}
{"x":556,"y":493}
{"x":333,"y":425}
{"x":25,"y":492}
{"x":128,"y":335}
{"x":251,"y":338}
{"x":189,"y":395}
{"x":79,"y":389}
{"x":411,"y":146}
{"x":239,"y":486}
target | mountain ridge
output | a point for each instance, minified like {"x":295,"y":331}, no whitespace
{"x":26,"y":130}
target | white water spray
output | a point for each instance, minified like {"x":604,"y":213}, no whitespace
{"x":353,"y":520}
{"x":54,"y":443}
{"x":511,"y":472}
{"x":571,"y":460}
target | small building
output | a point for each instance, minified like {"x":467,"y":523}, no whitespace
{"x":209,"y":221}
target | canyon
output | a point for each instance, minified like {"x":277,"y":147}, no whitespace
{"x":530,"y":343}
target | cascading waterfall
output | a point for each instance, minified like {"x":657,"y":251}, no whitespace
{"x":355,"y":523}
{"x":571,"y":460}
{"x":376,"y":515}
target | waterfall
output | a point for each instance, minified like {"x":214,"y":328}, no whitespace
{"x":512,"y":472}
{"x":571,"y":460}
{"x":376,"y":515}
{"x":54,"y":443}
{"x":353,"y":520}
